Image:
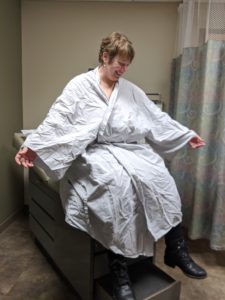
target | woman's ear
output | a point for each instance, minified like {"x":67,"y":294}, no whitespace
{"x":105,"y":57}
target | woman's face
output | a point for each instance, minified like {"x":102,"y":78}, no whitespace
{"x":116,"y":68}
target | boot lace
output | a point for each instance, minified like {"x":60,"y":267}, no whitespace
{"x":120,"y":273}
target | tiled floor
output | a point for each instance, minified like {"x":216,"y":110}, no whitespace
{"x":26,"y":274}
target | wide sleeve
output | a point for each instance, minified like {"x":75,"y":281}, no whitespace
{"x":70,"y":126}
{"x":164,"y":134}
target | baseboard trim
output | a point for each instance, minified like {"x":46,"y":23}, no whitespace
{"x":10,"y":219}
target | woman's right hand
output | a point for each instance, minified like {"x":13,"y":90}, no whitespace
{"x":25,"y":157}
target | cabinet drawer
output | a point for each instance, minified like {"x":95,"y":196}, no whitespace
{"x":45,"y":220}
{"x":43,"y":238}
{"x":42,"y":199}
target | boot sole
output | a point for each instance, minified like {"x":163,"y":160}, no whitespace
{"x":171,"y":265}
{"x":194,"y":277}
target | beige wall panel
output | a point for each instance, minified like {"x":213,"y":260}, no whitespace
{"x":61,"y":39}
{"x":11,"y":186}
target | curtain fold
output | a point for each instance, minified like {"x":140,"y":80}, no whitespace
{"x":198,"y":101}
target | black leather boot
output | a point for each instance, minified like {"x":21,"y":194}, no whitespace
{"x":122,"y":289}
{"x":176,"y":254}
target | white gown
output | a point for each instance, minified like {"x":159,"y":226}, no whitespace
{"x":112,"y":185}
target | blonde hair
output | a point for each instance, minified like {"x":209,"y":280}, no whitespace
{"x":116,"y":44}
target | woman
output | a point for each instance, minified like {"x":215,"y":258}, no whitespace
{"x":112,"y":185}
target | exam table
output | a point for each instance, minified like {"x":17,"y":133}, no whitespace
{"x":82,"y":260}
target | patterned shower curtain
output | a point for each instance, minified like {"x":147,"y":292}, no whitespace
{"x":198,"y":101}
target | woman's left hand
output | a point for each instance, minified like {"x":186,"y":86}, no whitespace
{"x":196,"y":142}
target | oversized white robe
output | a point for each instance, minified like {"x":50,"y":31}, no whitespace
{"x":112,"y":184}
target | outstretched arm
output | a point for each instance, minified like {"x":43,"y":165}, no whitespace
{"x":25,"y":157}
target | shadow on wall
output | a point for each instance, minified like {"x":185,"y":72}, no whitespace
{"x":11,"y":188}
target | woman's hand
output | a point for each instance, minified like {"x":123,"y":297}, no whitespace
{"x":196,"y":142}
{"x":25,"y":157}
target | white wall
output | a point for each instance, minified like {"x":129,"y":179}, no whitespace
{"x":11,"y":186}
{"x":61,"y":39}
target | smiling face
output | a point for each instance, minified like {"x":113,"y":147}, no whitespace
{"x":114,"y":69}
